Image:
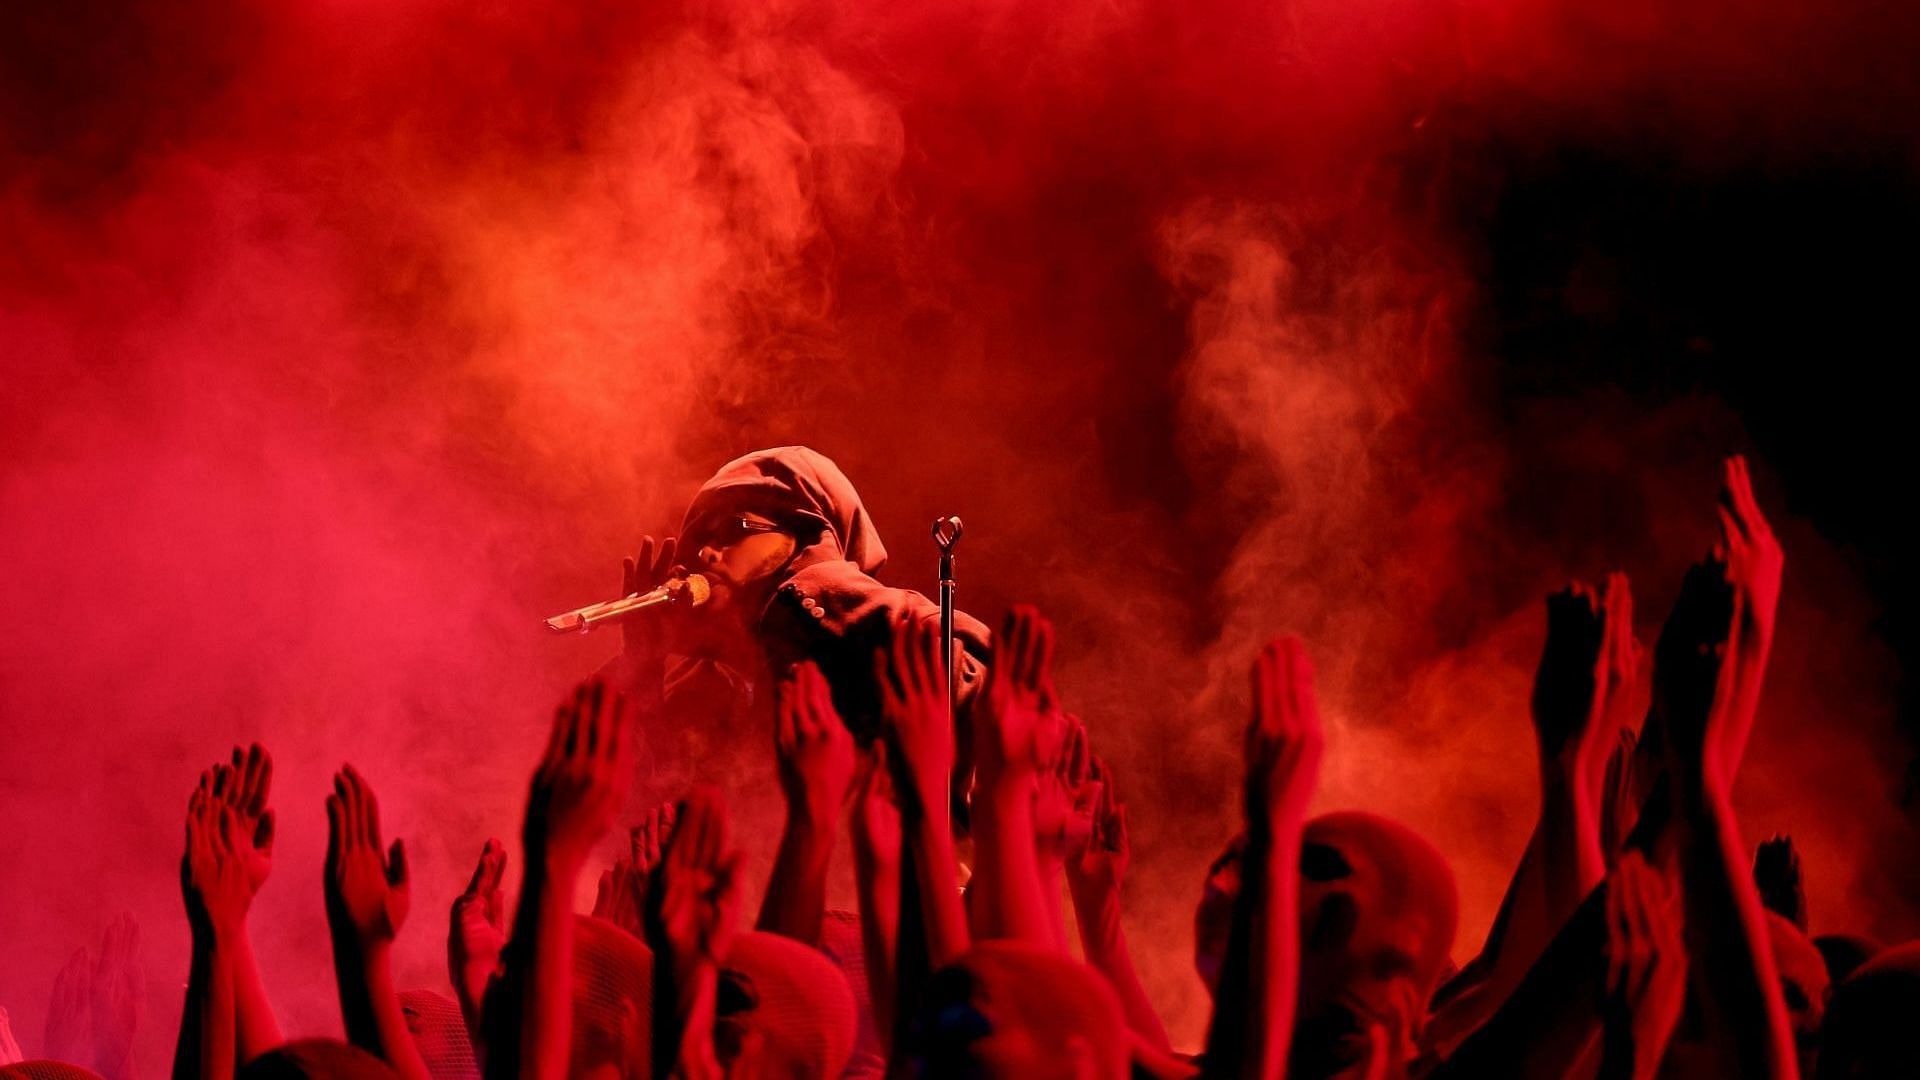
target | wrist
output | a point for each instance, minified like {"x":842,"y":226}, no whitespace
{"x":990,"y":775}
{"x":1275,"y":822}
{"x":218,"y":932}
{"x":933,"y":830}
{"x":813,"y":817}
{"x":693,"y":976}
{"x":1566,"y":778}
{"x":1096,"y":901}
{"x":1696,"y":785}
{"x":548,"y":861}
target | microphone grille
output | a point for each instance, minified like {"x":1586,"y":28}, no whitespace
{"x":698,"y":589}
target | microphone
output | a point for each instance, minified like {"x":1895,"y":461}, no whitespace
{"x":690,"y":591}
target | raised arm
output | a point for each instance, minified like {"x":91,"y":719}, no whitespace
{"x":119,"y":996}
{"x":815,"y":754}
{"x":9,"y":1048}
{"x":1094,"y":876}
{"x":476,"y":936}
{"x":1575,"y":733}
{"x":1063,"y":807}
{"x":913,"y":708}
{"x":1016,"y":735}
{"x":213,"y":883}
{"x":876,"y":861}
{"x":621,"y":897}
{"x":248,"y":794}
{"x":1259,"y":988}
{"x":1697,"y":687}
{"x":1550,"y":1023}
{"x":1755,"y":564}
{"x":575,"y":792}
{"x":368,"y":895}
{"x":696,"y":913}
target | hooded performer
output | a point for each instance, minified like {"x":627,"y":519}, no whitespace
{"x":790,"y":553}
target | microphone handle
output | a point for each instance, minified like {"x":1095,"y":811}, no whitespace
{"x":586,"y":618}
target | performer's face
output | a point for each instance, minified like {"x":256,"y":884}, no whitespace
{"x":736,"y":552}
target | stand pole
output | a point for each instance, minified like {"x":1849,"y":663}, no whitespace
{"x":946,"y":534}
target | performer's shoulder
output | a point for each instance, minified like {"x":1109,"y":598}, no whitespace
{"x":838,"y":594}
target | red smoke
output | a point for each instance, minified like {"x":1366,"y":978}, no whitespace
{"x":343,"y":342}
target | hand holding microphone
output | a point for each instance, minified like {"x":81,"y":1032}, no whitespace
{"x":647,"y":582}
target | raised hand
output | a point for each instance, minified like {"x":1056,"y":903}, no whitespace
{"x":1706,"y":684}
{"x":1646,"y":970}
{"x":1623,"y":652}
{"x":576,"y":790}
{"x":215,"y":886}
{"x":119,"y":994}
{"x":249,"y":782}
{"x":698,"y":908}
{"x":1016,"y":736}
{"x":367,"y":888}
{"x":9,"y":1048}
{"x":213,"y":875}
{"x":647,"y":844}
{"x":1582,"y":668}
{"x":1101,"y":864}
{"x":912,"y":675}
{"x":581,"y":779}
{"x":814,"y":749}
{"x":649,"y":838}
{"x":815,"y":756}
{"x":1094,"y":874}
{"x":643,"y":640}
{"x":621,"y":895}
{"x":1754,"y":559}
{"x":1285,"y":741}
{"x":244,"y":785}
{"x":477,"y":931}
{"x":877,"y":846}
{"x":1776,"y":873}
{"x":876,"y":812}
{"x":616,"y":896}
{"x":1754,"y":563}
{"x":1018,"y":731}
{"x":1259,"y":986}
{"x":68,"y":1035}
{"x":1689,"y":663}
{"x":1063,"y":805}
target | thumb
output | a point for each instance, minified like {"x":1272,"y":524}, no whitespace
{"x":263,"y":833}
{"x":397,"y":865}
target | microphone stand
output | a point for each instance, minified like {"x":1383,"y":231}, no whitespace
{"x":946,"y":534}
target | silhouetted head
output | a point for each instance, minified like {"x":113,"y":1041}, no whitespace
{"x":1007,"y":1009}
{"x":612,"y":1002}
{"x":1844,"y":953}
{"x":1869,"y":1030}
{"x":40,"y":1069}
{"x":1378,"y":910}
{"x":1213,"y":918}
{"x":786,"y":1006}
{"x":440,"y":1033}
{"x":317,"y":1059}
